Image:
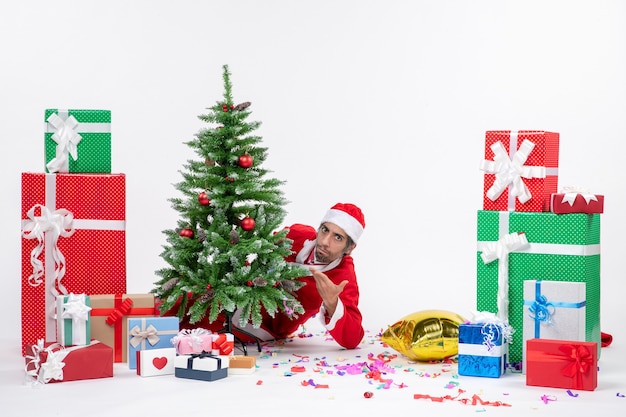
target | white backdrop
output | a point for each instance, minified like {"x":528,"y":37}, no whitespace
{"x":380,"y":103}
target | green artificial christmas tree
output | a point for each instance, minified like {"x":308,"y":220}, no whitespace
{"x":227,"y":253}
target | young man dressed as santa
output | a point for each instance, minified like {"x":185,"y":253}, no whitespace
{"x":331,"y":290}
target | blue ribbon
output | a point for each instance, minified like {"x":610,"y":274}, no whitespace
{"x":541,"y":310}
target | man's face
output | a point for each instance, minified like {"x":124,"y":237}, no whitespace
{"x":331,"y":243}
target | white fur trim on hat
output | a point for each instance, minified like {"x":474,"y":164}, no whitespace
{"x":349,"y":224}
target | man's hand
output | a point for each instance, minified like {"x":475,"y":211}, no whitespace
{"x":328,"y":290}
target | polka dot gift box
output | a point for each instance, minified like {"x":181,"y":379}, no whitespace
{"x":521,"y":170}
{"x":563,"y":248}
{"x":73,"y":241}
{"x":77,"y":141}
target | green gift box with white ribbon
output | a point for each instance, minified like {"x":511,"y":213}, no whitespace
{"x":77,"y":141}
{"x":517,"y":246}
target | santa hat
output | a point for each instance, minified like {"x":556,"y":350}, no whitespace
{"x":347,"y":216}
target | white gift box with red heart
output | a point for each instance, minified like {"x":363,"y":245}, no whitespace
{"x":156,"y":362}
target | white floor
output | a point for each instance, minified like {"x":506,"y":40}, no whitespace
{"x":332,"y":380}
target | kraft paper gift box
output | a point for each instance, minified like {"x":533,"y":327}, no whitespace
{"x":189,"y":341}
{"x":73,"y":240}
{"x":559,"y":248}
{"x":109,"y":318}
{"x":73,"y":319}
{"x":241,"y":365}
{"x":149,"y":333}
{"x":201,"y":366}
{"x":575,"y":201}
{"x":564,"y":364}
{"x":77,"y":141}
{"x":553,"y":310}
{"x":521,"y":170}
{"x":51,"y":362}
{"x":156,"y":362}
{"x":482,"y":350}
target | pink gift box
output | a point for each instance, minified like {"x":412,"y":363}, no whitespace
{"x":189,"y":341}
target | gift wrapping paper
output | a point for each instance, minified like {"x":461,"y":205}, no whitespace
{"x":560,"y":248}
{"x":201,"y":366}
{"x":77,"y":141}
{"x":156,"y":362}
{"x":553,"y":310}
{"x":521,"y":170}
{"x":109,"y":318}
{"x":566,"y":203}
{"x":52,"y":362}
{"x":73,"y":240}
{"x":482,"y":350}
{"x":562,"y":364}
{"x":241,"y":365}
{"x":73,"y":319}
{"x":150,"y":333}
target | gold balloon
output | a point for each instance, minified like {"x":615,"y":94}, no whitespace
{"x":426,"y":335}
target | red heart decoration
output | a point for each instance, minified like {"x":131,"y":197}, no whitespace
{"x":159,"y":363}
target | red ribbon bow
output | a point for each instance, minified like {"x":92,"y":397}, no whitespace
{"x":119,"y":312}
{"x":579,"y":361}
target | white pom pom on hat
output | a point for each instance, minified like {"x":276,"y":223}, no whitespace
{"x":347,"y":216}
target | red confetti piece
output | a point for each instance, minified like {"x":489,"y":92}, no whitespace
{"x":259,"y":382}
{"x":474,"y":400}
{"x":298,"y":369}
{"x":368,"y":394}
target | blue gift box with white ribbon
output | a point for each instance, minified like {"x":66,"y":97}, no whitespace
{"x":553,"y":310}
{"x":483,"y":350}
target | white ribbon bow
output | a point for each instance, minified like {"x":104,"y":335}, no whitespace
{"x":67,"y":140}
{"x":138,"y":335}
{"x":510,"y":171}
{"x":570,"y":193}
{"x":76,"y":308}
{"x":52,"y":368}
{"x":500,"y":250}
{"x":56,"y":223}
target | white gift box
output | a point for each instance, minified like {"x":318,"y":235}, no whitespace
{"x":553,"y":310}
{"x":156,"y":362}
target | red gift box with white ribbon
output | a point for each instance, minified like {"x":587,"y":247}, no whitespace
{"x":52,"y":362}
{"x":521,"y":170}
{"x":73,"y":240}
{"x":576,"y":200}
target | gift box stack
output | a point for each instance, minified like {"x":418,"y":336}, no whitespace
{"x":73,"y":244}
{"x":538,"y":250}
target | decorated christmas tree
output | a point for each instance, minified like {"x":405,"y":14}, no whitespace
{"x":227,"y":253}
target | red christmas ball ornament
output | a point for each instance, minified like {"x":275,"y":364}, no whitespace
{"x":224,"y":107}
{"x":187,"y":233}
{"x":247,"y":223}
{"x":249,"y":283}
{"x":208,"y":287}
{"x":246,"y":160}
{"x":203,"y":199}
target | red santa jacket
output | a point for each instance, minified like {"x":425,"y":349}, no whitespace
{"x":346,"y":324}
